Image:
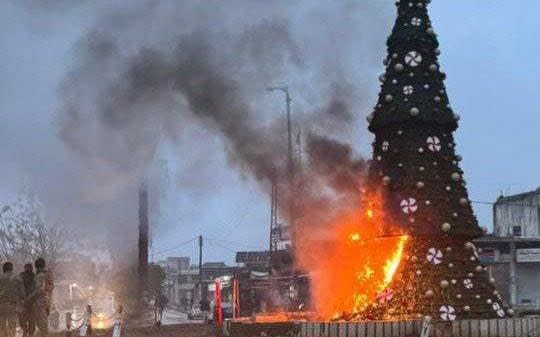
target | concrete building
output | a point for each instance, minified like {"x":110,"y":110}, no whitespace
{"x":512,"y":252}
{"x":173,"y":267}
{"x":517,"y":215}
{"x":182,"y":280}
{"x":186,"y":288}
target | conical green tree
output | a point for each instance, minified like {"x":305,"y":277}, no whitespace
{"x":422,"y":184}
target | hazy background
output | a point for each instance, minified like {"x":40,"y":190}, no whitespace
{"x":82,"y":119}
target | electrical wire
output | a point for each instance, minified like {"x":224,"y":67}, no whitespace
{"x":234,"y":243}
{"x":176,"y":247}
{"x":482,"y":202}
{"x":214,"y":244}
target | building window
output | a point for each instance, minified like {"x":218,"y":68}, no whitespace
{"x":516,"y":230}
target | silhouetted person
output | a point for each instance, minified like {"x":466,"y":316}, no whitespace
{"x":85,"y":329}
{"x":11,"y":296}
{"x":159,"y":305}
{"x":118,"y":321}
{"x":40,"y":298}
{"x":54,"y":318}
{"x":26,"y":316}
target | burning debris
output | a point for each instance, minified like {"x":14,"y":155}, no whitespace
{"x":351,"y":263}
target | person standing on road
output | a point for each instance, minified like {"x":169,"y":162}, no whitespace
{"x":205,"y":309}
{"x":118,"y":322}
{"x":40,"y":298}
{"x":54,"y":318}
{"x":11,"y":296}
{"x":26,"y":317}
{"x":85,"y":329}
{"x":159,"y":305}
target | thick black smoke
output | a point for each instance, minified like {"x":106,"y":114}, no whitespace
{"x":146,"y":75}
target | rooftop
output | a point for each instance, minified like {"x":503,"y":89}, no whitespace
{"x":518,"y":197}
{"x":494,"y":238}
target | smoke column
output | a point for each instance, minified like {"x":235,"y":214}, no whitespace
{"x":143,"y":73}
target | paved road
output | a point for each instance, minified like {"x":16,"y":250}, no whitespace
{"x":171,"y":316}
{"x":178,"y":330}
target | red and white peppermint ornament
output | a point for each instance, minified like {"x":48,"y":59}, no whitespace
{"x":385,"y":296}
{"x":434,"y":256}
{"x":413,"y":58}
{"x":448,"y":313}
{"x":409,"y":206}
{"x":416,"y":21}
{"x":385,"y":146}
{"x":433,"y":143}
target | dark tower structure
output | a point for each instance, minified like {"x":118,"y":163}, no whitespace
{"x":422,"y":184}
{"x":142,"y":267}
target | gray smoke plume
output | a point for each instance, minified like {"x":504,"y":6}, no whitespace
{"x":191,"y":76}
{"x":194,"y":74}
{"x":150,"y":72}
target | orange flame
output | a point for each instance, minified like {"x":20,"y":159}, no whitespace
{"x":349,"y":261}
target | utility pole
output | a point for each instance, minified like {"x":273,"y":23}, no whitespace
{"x":143,"y":237}
{"x":290,"y":162}
{"x":274,"y":225}
{"x":200,"y":268}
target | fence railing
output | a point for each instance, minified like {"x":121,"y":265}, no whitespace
{"x":510,"y":327}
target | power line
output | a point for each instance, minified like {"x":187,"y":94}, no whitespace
{"x":482,"y":202}
{"x":220,"y":246}
{"x":176,"y":247}
{"x":234,"y":243}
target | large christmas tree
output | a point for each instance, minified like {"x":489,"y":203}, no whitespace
{"x":422,"y":183}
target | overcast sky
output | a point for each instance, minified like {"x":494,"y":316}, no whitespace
{"x":489,"y":52}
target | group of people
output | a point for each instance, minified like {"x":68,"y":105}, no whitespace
{"x":25,"y":298}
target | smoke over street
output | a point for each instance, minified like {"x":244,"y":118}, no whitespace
{"x":168,"y":73}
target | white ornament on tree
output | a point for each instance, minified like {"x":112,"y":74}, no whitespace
{"x":385,"y":146}
{"x":409,"y":206}
{"x":446,"y":227}
{"x":434,"y":256}
{"x":498,"y":309}
{"x":434,"y":144}
{"x":413,"y":58}
{"x":416,"y":21}
{"x":447,"y":313}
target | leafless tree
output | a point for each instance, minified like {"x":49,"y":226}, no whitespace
{"x":25,"y":235}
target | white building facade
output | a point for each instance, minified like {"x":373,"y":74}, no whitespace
{"x":512,"y":252}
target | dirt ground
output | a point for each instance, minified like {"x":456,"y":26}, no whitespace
{"x":181,"y":330}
